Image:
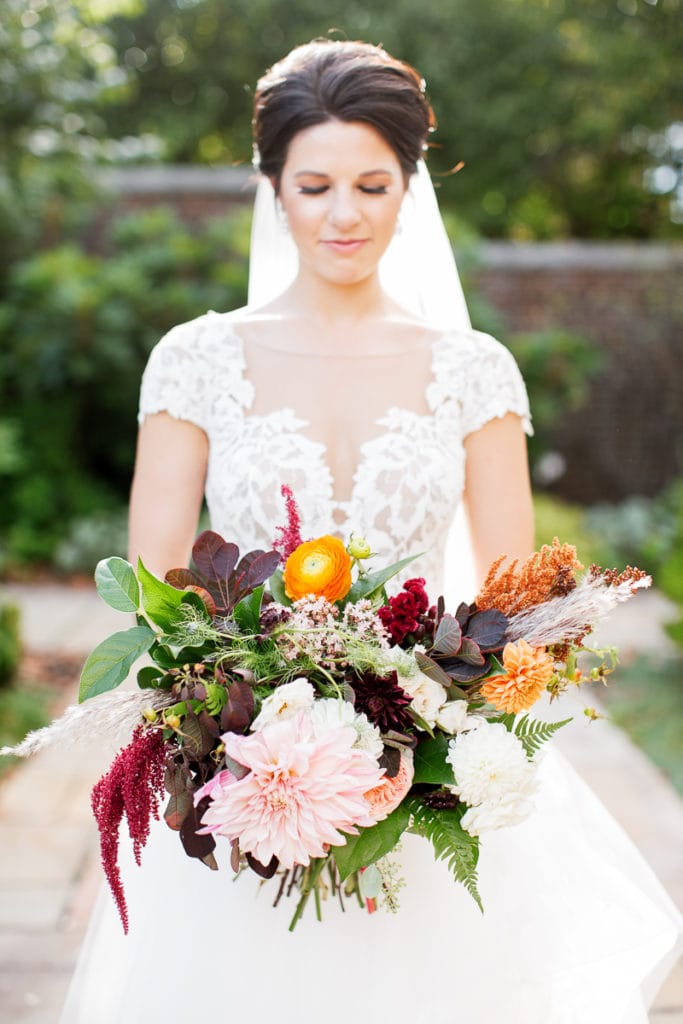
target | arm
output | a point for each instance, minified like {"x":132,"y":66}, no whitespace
{"x":497,"y":494}
{"x":167,"y":490}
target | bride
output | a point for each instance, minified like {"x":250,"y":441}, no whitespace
{"x":354,"y":376}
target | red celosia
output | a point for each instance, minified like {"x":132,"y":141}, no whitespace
{"x":290,"y":535}
{"x":402,"y":614}
{"x":132,"y":787}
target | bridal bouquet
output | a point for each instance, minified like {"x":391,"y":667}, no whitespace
{"x":296,"y":712}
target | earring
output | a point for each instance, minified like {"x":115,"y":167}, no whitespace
{"x":282,"y":221}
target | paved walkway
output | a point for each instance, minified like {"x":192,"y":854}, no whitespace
{"x":49,"y":869}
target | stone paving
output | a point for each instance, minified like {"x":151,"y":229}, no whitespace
{"x":49,"y":870}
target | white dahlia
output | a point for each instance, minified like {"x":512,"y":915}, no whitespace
{"x":490,"y":766}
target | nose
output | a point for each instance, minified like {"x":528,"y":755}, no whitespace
{"x":344,"y":213}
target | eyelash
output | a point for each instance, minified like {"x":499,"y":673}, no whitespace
{"x":381,"y":190}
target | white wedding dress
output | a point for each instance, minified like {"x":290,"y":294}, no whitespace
{"x":576,"y":928}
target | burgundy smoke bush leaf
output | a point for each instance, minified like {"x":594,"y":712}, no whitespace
{"x":197,"y":738}
{"x":181,"y":578}
{"x":264,"y":870}
{"x":448,"y":636}
{"x":132,"y":788}
{"x":487,"y":629}
{"x":262,"y":568}
{"x":463,"y":672}
{"x":471,"y":652}
{"x":432,"y":668}
{"x":179,"y":786}
{"x":463,"y":612}
{"x":238,"y":713}
{"x":214,"y":557}
{"x":199,"y":846}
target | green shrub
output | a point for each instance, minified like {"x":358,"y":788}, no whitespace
{"x":10,"y":643}
{"x":75,"y":333}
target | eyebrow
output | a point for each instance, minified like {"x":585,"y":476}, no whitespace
{"x":320,"y":174}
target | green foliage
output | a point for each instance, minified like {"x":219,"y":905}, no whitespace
{"x":24,"y":708}
{"x":557,"y":367}
{"x":75,"y":333}
{"x":554,"y":517}
{"x":10,"y":643}
{"x":117,"y":584}
{"x":430,"y":761}
{"x":532,"y":733}
{"x":371,"y":843}
{"x":108,"y":665}
{"x":539,"y":99}
{"x":648,"y":532}
{"x":451,"y":843}
{"x":647,"y":703}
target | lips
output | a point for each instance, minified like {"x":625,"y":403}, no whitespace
{"x":346,"y":245}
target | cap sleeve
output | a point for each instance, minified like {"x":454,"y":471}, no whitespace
{"x":493,"y":385}
{"x":177,"y":377}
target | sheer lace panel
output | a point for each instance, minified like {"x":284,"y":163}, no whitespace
{"x":405,"y":467}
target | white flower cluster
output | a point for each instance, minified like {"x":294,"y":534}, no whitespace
{"x":288,"y":699}
{"x":316,"y":629}
{"x":493,"y":775}
{"x":429,"y":696}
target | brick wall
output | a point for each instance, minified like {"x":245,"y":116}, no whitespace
{"x":626,"y":298}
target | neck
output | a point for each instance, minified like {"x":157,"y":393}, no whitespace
{"x":328,"y":302}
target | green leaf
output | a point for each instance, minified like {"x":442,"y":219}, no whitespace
{"x":117,"y":584}
{"x":533,"y":734}
{"x":149,"y":676}
{"x":430,"y":761}
{"x":371,"y":843}
{"x":370,"y":882}
{"x":247,"y":612}
{"x":277,"y":588}
{"x":109,"y":664}
{"x":160,"y":601}
{"x":451,"y":842}
{"x":369,"y":585}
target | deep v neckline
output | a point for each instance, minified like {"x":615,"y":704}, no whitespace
{"x":287,"y":419}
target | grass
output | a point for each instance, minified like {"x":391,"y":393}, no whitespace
{"x":646,"y":701}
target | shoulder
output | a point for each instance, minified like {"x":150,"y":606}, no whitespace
{"x":192,"y":364}
{"x":211,"y":332}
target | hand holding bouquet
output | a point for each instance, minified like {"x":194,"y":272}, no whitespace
{"x":296,"y":712}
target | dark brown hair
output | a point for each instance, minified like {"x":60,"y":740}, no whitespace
{"x":346,"y":81}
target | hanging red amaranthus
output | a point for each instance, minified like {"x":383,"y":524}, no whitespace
{"x":132,"y":787}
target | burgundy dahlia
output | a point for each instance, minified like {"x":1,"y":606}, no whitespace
{"x":132,"y":787}
{"x":383,"y":700}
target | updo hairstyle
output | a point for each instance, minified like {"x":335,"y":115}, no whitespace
{"x":346,"y":81}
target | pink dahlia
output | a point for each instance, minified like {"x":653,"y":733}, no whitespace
{"x":301,"y":794}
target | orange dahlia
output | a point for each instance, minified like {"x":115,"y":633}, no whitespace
{"x":528,"y":670}
{"x":321,"y":567}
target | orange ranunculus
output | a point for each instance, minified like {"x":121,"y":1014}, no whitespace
{"x":321,"y":567}
{"x":387,"y":795}
{"x":528,"y":670}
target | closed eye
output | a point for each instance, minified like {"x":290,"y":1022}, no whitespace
{"x":316,"y":190}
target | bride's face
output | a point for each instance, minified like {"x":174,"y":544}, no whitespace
{"x":341,"y":188}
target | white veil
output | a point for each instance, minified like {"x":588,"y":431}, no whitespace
{"x":418,"y":270}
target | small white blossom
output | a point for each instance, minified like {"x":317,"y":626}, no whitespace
{"x":427,"y":696}
{"x":285,"y":702}
{"x":332,"y":713}
{"x":452,"y":716}
{"x":489,"y":816}
{"x":490,"y":765}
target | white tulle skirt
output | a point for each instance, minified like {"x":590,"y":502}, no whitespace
{"x":576,"y":930}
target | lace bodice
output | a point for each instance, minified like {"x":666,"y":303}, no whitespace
{"x":409,"y":478}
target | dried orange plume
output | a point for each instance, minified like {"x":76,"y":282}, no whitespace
{"x":547,"y":573}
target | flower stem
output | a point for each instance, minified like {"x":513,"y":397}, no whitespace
{"x":310,"y":882}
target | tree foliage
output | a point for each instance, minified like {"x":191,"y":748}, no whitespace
{"x":560,"y":109}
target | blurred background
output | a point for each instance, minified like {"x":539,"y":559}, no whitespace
{"x":125,"y":195}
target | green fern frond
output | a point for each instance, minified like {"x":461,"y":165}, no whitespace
{"x":216,"y":698}
{"x":451,"y":842}
{"x":533,"y":733}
